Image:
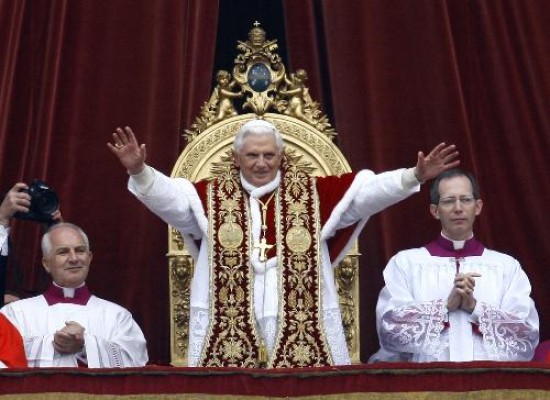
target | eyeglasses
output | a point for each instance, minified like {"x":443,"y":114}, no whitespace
{"x":449,"y":202}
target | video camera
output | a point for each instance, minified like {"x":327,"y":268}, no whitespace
{"x":44,"y":202}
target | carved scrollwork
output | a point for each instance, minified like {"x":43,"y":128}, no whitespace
{"x":259,"y":84}
{"x":346,"y":279}
{"x":181,"y":272}
{"x":177,"y":239}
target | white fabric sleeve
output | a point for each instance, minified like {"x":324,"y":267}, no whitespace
{"x":406,"y":326}
{"x":198,"y":328}
{"x":4,"y":233}
{"x":172,"y":199}
{"x":408,"y":179}
{"x":144,"y":180}
{"x":124,"y":347}
{"x":510,"y":329}
{"x":413,"y":328}
{"x":381,"y":191}
{"x":37,"y":354}
{"x":82,"y":356}
{"x":39,"y":348}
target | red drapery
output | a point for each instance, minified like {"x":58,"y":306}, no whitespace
{"x":406,"y":75}
{"x":480,"y":380}
{"x":74,"y":71}
{"x":398,"y":77}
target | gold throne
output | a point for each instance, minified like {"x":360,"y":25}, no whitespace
{"x":258,"y":88}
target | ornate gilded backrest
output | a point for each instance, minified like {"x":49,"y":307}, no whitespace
{"x":258,"y":83}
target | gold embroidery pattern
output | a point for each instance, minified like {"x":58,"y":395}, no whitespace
{"x":231,"y":337}
{"x":300,"y":341}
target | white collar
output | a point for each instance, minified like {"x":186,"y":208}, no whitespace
{"x":69,"y":291}
{"x":457,"y":244}
{"x":259,"y":192}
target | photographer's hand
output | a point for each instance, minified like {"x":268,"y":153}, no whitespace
{"x":130,"y":154}
{"x":56,"y":216}
{"x":16,"y":200}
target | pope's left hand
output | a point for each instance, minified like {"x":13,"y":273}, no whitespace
{"x":441,"y":158}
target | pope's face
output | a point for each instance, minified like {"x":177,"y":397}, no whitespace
{"x":457,"y":208}
{"x":259,"y":159}
{"x":69,"y":259}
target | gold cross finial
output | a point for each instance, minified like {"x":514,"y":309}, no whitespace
{"x":256,"y":24}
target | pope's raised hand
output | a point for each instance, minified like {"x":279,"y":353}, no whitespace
{"x":130,"y":154}
{"x":441,"y":158}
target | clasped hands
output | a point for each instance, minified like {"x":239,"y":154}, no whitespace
{"x":462,"y":295}
{"x":69,"y":339}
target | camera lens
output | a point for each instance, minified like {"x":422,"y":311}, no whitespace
{"x":46,"y":201}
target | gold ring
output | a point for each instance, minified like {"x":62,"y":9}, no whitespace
{"x":119,"y":145}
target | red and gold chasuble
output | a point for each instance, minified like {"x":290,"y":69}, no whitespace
{"x":232,"y":339}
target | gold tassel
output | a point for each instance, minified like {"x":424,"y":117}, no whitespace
{"x":262,"y":355}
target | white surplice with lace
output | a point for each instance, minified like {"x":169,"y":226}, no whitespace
{"x":112,"y":338}
{"x":414,"y":324}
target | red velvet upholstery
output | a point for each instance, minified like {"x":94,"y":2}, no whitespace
{"x":542,"y":352}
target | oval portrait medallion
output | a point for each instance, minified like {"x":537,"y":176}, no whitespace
{"x":298,"y":239}
{"x":259,"y":77}
{"x":230,"y":235}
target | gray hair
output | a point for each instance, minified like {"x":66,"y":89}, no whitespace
{"x":47,"y":241}
{"x":257,"y":127}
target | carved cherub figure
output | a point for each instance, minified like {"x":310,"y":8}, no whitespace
{"x":222,"y":96}
{"x":298,"y":95}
